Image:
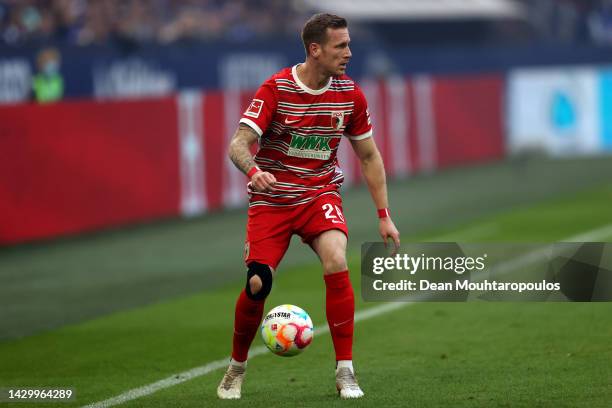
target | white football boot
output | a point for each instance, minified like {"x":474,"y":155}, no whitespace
{"x":346,"y":383}
{"x":231,"y":383}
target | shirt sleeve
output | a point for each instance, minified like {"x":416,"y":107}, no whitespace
{"x":260,"y":112}
{"x":360,"y":125}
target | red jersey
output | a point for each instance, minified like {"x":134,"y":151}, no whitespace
{"x":300,"y":130}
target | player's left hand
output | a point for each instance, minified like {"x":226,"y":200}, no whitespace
{"x":387,"y":231}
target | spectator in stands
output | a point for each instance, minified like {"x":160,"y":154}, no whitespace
{"x":48,"y":84}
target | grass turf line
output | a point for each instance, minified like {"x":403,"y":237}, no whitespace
{"x":510,"y":362}
{"x":45,"y":286}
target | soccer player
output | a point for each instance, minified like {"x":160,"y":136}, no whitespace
{"x":299,"y":116}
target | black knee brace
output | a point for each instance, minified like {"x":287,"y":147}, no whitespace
{"x":265,"y":274}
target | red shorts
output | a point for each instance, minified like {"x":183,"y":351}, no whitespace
{"x":269,"y":229}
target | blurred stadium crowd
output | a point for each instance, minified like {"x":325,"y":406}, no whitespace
{"x":85,"y":22}
{"x":571,"y":21}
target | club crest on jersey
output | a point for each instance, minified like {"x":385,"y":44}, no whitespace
{"x":337,"y":120}
{"x":254,"y":108}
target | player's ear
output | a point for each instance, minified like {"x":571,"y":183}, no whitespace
{"x":314,"y":50}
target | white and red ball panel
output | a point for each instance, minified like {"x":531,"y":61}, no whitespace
{"x":287,"y":330}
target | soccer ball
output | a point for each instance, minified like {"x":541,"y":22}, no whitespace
{"x":287,"y":330}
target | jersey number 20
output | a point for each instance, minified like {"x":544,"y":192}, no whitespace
{"x":329,"y":213}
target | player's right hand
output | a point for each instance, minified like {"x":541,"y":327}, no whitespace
{"x":262,"y":181}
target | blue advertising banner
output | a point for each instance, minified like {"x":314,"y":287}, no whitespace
{"x":115,"y":72}
{"x":605,"y":108}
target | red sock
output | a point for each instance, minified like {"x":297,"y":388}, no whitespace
{"x":340,"y":311}
{"x":248,"y":316}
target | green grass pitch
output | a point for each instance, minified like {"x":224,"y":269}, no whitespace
{"x":473,"y":354}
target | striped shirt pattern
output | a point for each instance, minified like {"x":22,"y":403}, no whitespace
{"x":300,"y":130}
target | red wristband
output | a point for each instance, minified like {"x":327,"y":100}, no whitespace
{"x":252,"y":172}
{"x":384,"y":213}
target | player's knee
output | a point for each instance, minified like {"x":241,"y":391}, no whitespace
{"x":335,"y":262}
{"x":255,"y":284}
{"x":259,"y":281}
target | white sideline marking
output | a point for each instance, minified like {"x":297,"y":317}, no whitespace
{"x":595,"y":235}
{"x":215,"y":365}
{"x":592,"y":235}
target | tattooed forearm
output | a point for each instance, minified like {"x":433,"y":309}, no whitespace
{"x":240,"y":148}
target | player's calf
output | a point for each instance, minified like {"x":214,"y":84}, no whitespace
{"x":249,"y":311}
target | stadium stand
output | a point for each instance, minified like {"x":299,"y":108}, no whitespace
{"x":85,"y":22}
